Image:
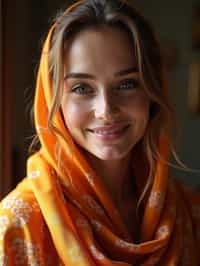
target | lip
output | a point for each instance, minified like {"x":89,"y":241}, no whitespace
{"x":110,"y":132}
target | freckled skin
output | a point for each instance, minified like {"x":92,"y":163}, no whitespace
{"x":102,"y":53}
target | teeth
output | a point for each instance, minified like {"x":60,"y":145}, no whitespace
{"x":108,"y":132}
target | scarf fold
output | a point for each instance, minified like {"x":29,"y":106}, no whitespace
{"x":85,"y":225}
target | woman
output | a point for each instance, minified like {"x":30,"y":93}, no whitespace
{"x":98,"y":191}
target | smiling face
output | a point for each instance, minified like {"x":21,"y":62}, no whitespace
{"x":103,"y":104}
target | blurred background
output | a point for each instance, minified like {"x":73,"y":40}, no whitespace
{"x":23,"y":27}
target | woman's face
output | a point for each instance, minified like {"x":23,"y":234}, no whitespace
{"x":104,"y":107}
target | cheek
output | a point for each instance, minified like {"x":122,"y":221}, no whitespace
{"x":139,"y":107}
{"x":75,"y":115}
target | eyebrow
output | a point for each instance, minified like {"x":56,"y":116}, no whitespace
{"x":123,"y":72}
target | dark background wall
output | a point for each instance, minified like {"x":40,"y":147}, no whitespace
{"x":30,"y":21}
{"x":29,"y":25}
{"x":173,"y":21}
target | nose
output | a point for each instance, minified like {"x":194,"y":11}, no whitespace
{"x":106,"y":107}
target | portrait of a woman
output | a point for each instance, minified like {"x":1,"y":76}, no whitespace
{"x":98,"y":191}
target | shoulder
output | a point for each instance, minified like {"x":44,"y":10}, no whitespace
{"x":19,"y":207}
{"x":191,"y":194}
{"x":22,"y":229}
{"x":192,"y":200}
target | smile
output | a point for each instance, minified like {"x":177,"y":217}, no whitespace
{"x":109,"y":132}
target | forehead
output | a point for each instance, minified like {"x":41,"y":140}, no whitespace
{"x":94,"y":49}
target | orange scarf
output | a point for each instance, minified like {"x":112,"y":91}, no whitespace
{"x":84,"y":226}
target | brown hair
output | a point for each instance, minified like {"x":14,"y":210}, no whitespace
{"x":116,"y":13}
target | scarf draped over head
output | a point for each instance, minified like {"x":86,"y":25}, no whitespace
{"x":85,"y":225}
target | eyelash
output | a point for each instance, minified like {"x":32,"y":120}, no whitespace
{"x":81,"y":86}
{"x":134,"y":85}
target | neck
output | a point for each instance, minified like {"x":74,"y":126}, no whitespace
{"x":115,"y":175}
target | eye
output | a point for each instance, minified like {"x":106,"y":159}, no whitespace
{"x":82,"y":89}
{"x":129,"y":84}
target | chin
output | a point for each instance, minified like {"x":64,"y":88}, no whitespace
{"x":111,"y":155}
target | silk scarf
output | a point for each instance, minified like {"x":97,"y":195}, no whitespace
{"x":85,"y":226}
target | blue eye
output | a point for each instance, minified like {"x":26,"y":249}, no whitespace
{"x":82,"y":89}
{"x":130,"y":84}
